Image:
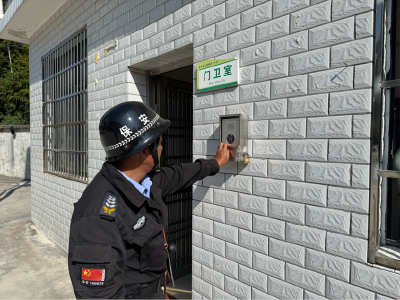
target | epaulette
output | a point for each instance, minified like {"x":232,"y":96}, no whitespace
{"x":109,"y":208}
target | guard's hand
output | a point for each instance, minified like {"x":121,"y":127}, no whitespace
{"x":222,"y":155}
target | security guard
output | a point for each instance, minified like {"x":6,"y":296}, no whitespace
{"x":117,"y":246}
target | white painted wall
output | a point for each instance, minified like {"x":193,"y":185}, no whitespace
{"x":15,"y":158}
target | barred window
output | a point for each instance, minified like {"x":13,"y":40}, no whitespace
{"x":64,"y":90}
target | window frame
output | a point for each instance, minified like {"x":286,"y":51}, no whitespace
{"x":65,"y":108}
{"x":382,"y":13}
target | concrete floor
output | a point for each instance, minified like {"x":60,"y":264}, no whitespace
{"x":31,"y":266}
{"x":182,"y":289}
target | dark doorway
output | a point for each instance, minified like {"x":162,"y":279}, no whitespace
{"x":393,"y":199}
{"x":171,"y":96}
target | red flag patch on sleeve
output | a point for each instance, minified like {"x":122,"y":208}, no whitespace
{"x":93,"y":276}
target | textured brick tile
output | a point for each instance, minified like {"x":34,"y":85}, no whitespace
{"x":272,"y":69}
{"x":192,"y":24}
{"x":204,"y":100}
{"x":197,"y":239}
{"x":239,"y":183}
{"x":344,"y":8}
{"x":253,"y":204}
{"x":332,"y":33}
{"x":235,"y":6}
{"x":311,"y":61}
{"x":269,"y":187}
{"x":360,"y":176}
{"x":226,"y":96}
{"x":334,"y":80}
{"x":253,"y":278}
{"x":365,"y":25}
{"x":307,"y":149}
{"x":219,"y":294}
{"x":216,"y":47}
{"x":307,"y":193}
{"x":226,"y":266}
{"x":204,"y":35}
{"x":242,"y":39}
{"x":291,"y":128}
{"x":336,"y":289}
{"x":281,"y":169}
{"x":382,"y":282}
{"x":316,"y":105}
{"x":215,"y":278}
{"x":287,"y":211}
{"x":268,"y":265}
{"x":311,"y":16}
{"x":290,"y":45}
{"x":272,"y":29}
{"x":165,"y":22}
{"x":358,"y":101}
{"x":359,"y":51}
{"x":289,"y":87}
{"x":356,"y":151}
{"x":276,"y":109}
{"x":347,"y":247}
{"x":239,"y":254}
{"x":363,"y":76}
{"x":202,"y":225}
{"x":197,"y":208}
{"x":201,"y":5}
{"x":253,"y":241}
{"x":226,"y":232}
{"x":348,"y":199}
{"x":204,"y":194}
{"x":258,"y":129}
{"x":329,"y":219}
{"x":283,"y":290}
{"x":255,"y":54}
{"x":328,"y":264}
{"x":202,"y":287}
{"x":226,"y":198}
{"x":336,"y":174}
{"x":214,"y":212}
{"x":306,"y":236}
{"x":214,"y":15}
{"x":258,"y":167}
{"x":183,"y":41}
{"x":216,"y":181}
{"x":196,"y":269}
{"x":237,"y":288}
{"x":247,"y":74}
{"x":329,"y":127}
{"x":228,"y":26}
{"x":283,"y":7}
{"x":306,"y":279}
{"x":361,"y":126}
{"x":256,"y":15}
{"x":183,"y":14}
{"x":239,"y":219}
{"x":202,"y":256}
{"x":211,"y":115}
{"x":359,"y":225}
{"x":202,"y":132}
{"x":256,"y":294}
{"x":268,"y":226}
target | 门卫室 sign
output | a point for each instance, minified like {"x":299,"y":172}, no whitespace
{"x":217,"y":73}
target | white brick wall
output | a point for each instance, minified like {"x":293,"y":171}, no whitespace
{"x":299,"y":212}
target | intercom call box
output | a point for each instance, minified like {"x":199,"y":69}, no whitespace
{"x":233,"y":130}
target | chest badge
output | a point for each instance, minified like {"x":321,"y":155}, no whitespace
{"x":140,"y":223}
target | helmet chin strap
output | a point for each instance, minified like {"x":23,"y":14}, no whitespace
{"x":154,"y":153}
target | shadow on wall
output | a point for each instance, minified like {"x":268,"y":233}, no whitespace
{"x":28,"y":164}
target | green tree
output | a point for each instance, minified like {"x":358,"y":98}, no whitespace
{"x":14,"y":83}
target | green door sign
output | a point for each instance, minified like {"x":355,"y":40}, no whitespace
{"x":217,"y":73}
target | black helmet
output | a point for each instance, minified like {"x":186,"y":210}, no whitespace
{"x":128,"y":128}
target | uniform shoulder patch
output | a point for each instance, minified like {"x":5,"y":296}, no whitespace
{"x":109,"y":207}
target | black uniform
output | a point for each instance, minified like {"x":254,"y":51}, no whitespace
{"x":107,"y":257}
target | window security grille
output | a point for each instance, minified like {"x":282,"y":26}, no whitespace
{"x":64,"y":90}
